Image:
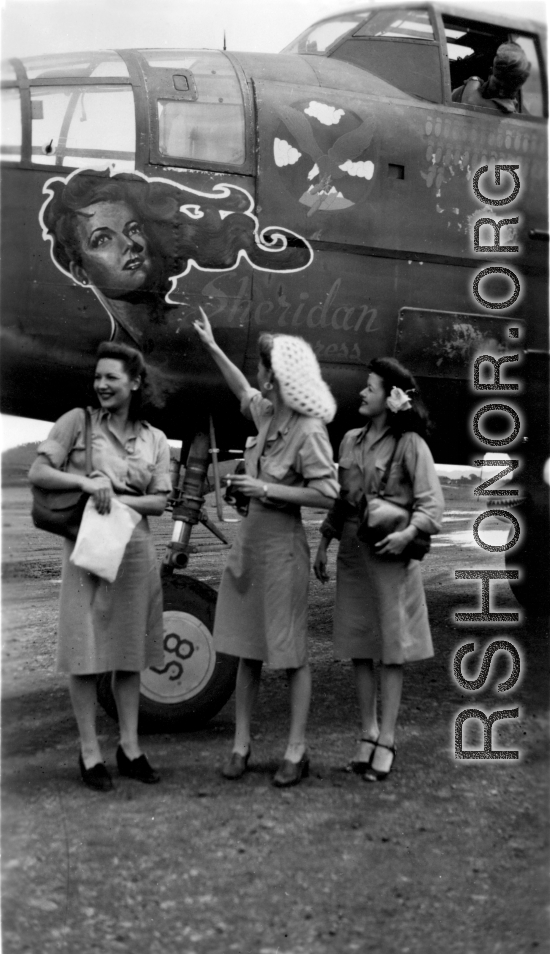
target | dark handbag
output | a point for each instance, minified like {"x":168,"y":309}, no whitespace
{"x":381,"y":516}
{"x":60,"y":511}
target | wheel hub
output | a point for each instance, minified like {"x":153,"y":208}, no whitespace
{"x":189,"y":660}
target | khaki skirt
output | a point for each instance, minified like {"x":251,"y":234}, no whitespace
{"x":107,"y":626}
{"x":380,"y":611}
{"x":261,"y":611}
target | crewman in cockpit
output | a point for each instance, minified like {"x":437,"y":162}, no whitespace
{"x":500,"y":92}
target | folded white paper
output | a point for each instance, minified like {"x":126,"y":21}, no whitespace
{"x":102,"y":539}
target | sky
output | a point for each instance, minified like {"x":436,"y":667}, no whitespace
{"x":32,"y":27}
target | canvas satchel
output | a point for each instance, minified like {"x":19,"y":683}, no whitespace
{"x":60,"y":511}
{"x":381,"y":516}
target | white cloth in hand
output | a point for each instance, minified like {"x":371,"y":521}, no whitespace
{"x":102,"y":539}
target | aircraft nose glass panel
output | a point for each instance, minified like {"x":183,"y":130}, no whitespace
{"x":83,"y":126}
{"x":8,"y":74}
{"x":102,"y":63}
{"x":11,"y":125}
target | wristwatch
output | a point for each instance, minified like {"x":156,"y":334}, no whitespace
{"x":265,"y":490}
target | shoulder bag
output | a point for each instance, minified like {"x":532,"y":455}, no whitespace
{"x":60,"y":511}
{"x":381,"y":516}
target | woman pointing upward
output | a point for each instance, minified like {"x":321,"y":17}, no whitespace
{"x":261,"y":614}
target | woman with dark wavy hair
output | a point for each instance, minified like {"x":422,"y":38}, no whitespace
{"x":111,"y":627}
{"x":128,"y":237}
{"x":380,"y":613}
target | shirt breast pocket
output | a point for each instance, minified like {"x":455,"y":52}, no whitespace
{"x":275,"y":469}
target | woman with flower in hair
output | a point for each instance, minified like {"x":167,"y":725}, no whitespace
{"x":380,"y":613}
{"x":261,"y":614}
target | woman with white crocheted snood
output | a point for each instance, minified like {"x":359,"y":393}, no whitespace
{"x":261,"y":613}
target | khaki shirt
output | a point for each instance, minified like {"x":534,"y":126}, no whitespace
{"x":412,"y":482}
{"x":140,"y":466}
{"x":470,"y":94}
{"x":298,"y":455}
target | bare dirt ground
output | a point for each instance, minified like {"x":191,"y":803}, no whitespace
{"x":445,"y":856}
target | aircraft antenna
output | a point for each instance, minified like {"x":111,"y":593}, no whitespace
{"x":224,"y":41}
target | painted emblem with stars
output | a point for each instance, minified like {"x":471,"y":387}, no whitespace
{"x":327,"y":157}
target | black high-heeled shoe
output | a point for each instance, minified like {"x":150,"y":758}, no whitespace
{"x":139,"y":768}
{"x":360,"y":766}
{"x":375,"y":775}
{"x":236,"y":765}
{"x":96,"y":777}
{"x":291,"y":773}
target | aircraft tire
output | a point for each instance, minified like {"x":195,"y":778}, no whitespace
{"x":195,"y":681}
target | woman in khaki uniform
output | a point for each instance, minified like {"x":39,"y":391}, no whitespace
{"x":261,"y":614}
{"x":380,"y":613}
{"x":111,"y":627}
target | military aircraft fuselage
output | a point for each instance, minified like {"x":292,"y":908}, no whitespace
{"x":321,"y":194}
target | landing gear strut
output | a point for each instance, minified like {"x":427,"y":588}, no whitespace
{"x":194,"y":682}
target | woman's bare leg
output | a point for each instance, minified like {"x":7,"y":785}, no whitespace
{"x":365,"y":685}
{"x":83,"y":693}
{"x":299,"y":684}
{"x":126,"y":692}
{"x":391,"y":686}
{"x":246,"y":693}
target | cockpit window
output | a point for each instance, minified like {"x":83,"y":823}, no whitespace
{"x":397,"y":44}
{"x":471,"y":48}
{"x":319,"y":38}
{"x":408,"y":23}
{"x":531,"y":92}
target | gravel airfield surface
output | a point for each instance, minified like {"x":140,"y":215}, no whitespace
{"x":447,"y":855}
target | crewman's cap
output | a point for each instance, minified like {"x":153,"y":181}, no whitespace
{"x":510,"y":65}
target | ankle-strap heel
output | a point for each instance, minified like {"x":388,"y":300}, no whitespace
{"x":375,"y":775}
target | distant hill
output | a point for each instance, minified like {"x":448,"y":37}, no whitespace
{"x":462,"y":481}
{"x":16,"y":462}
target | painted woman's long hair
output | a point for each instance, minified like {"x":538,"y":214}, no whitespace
{"x":182,"y":226}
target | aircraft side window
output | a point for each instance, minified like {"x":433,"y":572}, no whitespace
{"x":206,"y":122}
{"x":83,"y":126}
{"x":211,"y":132}
{"x":10,"y":150}
{"x":532,"y":96}
{"x":471,"y":49}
